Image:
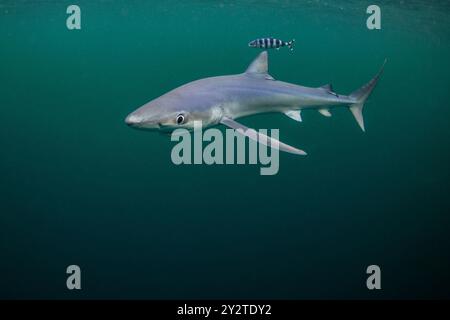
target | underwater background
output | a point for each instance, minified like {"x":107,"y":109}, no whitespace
{"x":77,"y":186}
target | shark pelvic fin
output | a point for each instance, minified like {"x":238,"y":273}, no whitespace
{"x":294,"y":114}
{"x":325,"y":112}
{"x":260,"y":67}
{"x":261,"y":138}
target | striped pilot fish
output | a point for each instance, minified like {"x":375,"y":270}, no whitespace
{"x":271,"y":43}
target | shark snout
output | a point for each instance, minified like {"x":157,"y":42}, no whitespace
{"x":137,"y":121}
{"x":133,"y":120}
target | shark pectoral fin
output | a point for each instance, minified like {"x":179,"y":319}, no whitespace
{"x":295,"y":114}
{"x":261,"y":138}
{"x":325,"y":112}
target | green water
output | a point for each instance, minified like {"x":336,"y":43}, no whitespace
{"x":77,"y":186}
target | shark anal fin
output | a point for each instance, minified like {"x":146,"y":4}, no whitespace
{"x":261,"y":138}
{"x":294,"y":114}
{"x":325,"y":112}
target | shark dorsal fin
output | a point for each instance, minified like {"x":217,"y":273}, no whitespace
{"x":260,"y":66}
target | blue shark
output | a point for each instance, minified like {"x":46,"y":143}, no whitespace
{"x":223,"y":99}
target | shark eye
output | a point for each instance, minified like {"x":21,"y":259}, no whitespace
{"x":180,"y":119}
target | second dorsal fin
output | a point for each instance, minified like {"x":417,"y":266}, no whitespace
{"x":329,"y":88}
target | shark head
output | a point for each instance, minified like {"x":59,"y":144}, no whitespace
{"x":157,"y":115}
{"x":198,"y":101}
{"x":179,"y":108}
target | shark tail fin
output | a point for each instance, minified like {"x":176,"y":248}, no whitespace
{"x":360,"y":96}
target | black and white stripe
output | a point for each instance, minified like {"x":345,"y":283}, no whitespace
{"x":269,"y":43}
